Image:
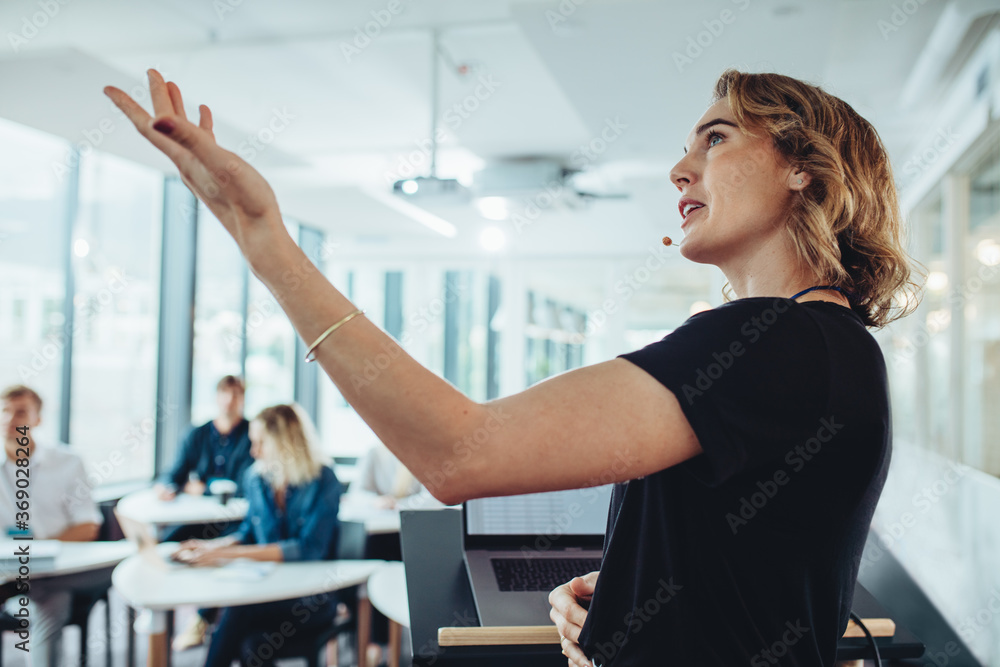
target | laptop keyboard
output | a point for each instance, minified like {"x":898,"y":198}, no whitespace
{"x":541,"y":574}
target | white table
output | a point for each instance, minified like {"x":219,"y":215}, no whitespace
{"x":155,"y":584}
{"x":185,"y":509}
{"x":387,"y":593}
{"x":377,"y":521}
{"x":75,"y":557}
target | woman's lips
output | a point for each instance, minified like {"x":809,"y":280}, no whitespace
{"x":691,"y":215}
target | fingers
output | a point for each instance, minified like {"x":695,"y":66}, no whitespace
{"x":205,"y":120}
{"x":198,"y":143}
{"x":564,"y":601}
{"x":584,"y":586}
{"x":574,"y":653}
{"x":566,"y":629}
{"x":143,"y":123}
{"x":176,"y":101}
{"x":160,"y":94}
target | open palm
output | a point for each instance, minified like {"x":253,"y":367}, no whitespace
{"x":233,"y":190}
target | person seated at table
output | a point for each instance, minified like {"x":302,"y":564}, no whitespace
{"x":292,"y":516}
{"x":61,"y":508}
{"x":385,"y":483}
{"x":218,"y":449}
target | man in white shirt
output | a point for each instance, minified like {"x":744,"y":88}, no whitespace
{"x":384,"y":483}
{"x":57,"y":510}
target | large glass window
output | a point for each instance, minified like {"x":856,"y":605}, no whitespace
{"x":34,"y":191}
{"x":554,"y":338}
{"x":220,"y":284}
{"x":982,"y":315}
{"x":933,"y":320}
{"x":270,"y":349}
{"x":116,"y":253}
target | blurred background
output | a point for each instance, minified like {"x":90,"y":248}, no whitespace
{"x":490,"y":181}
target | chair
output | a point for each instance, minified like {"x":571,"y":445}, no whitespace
{"x":351,"y":543}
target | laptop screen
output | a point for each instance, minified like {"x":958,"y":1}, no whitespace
{"x":573,"y":512}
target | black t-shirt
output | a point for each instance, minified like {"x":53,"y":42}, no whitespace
{"x":747,"y":554}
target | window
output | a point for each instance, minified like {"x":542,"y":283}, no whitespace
{"x":270,"y":349}
{"x":115,"y":259}
{"x":982,"y":315}
{"x":555,"y":338}
{"x":220,"y":288}
{"x":34,"y":208}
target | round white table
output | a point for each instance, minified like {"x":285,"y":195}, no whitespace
{"x":387,"y":593}
{"x":185,"y":509}
{"x":72,"y":558}
{"x":150,"y":581}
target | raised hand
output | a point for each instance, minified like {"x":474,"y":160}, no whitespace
{"x":233,"y":190}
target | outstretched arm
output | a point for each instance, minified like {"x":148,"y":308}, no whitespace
{"x":605,"y":423}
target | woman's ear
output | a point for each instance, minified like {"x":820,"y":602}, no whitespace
{"x":799,"y":180}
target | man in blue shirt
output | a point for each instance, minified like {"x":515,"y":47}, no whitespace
{"x":218,"y":449}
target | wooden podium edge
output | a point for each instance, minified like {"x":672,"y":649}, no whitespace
{"x":547,"y":634}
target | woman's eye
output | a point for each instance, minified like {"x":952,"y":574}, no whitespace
{"x":712,"y":137}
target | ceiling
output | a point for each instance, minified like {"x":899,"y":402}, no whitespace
{"x":530,"y":79}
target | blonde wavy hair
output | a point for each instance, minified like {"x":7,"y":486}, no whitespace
{"x":288,"y":446}
{"x":846,"y":224}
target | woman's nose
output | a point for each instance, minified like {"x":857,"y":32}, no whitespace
{"x":682,"y":174}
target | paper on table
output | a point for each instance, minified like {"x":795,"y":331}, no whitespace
{"x":245,"y":569}
{"x":38,"y":548}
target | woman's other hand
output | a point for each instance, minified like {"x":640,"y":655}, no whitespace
{"x":164,"y":492}
{"x":385,"y":502}
{"x":233,"y":190}
{"x":569,"y":615}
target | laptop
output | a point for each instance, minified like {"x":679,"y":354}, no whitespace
{"x":144,"y":537}
{"x":518,"y":548}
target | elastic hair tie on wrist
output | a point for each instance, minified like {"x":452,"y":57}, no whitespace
{"x":309,"y":355}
